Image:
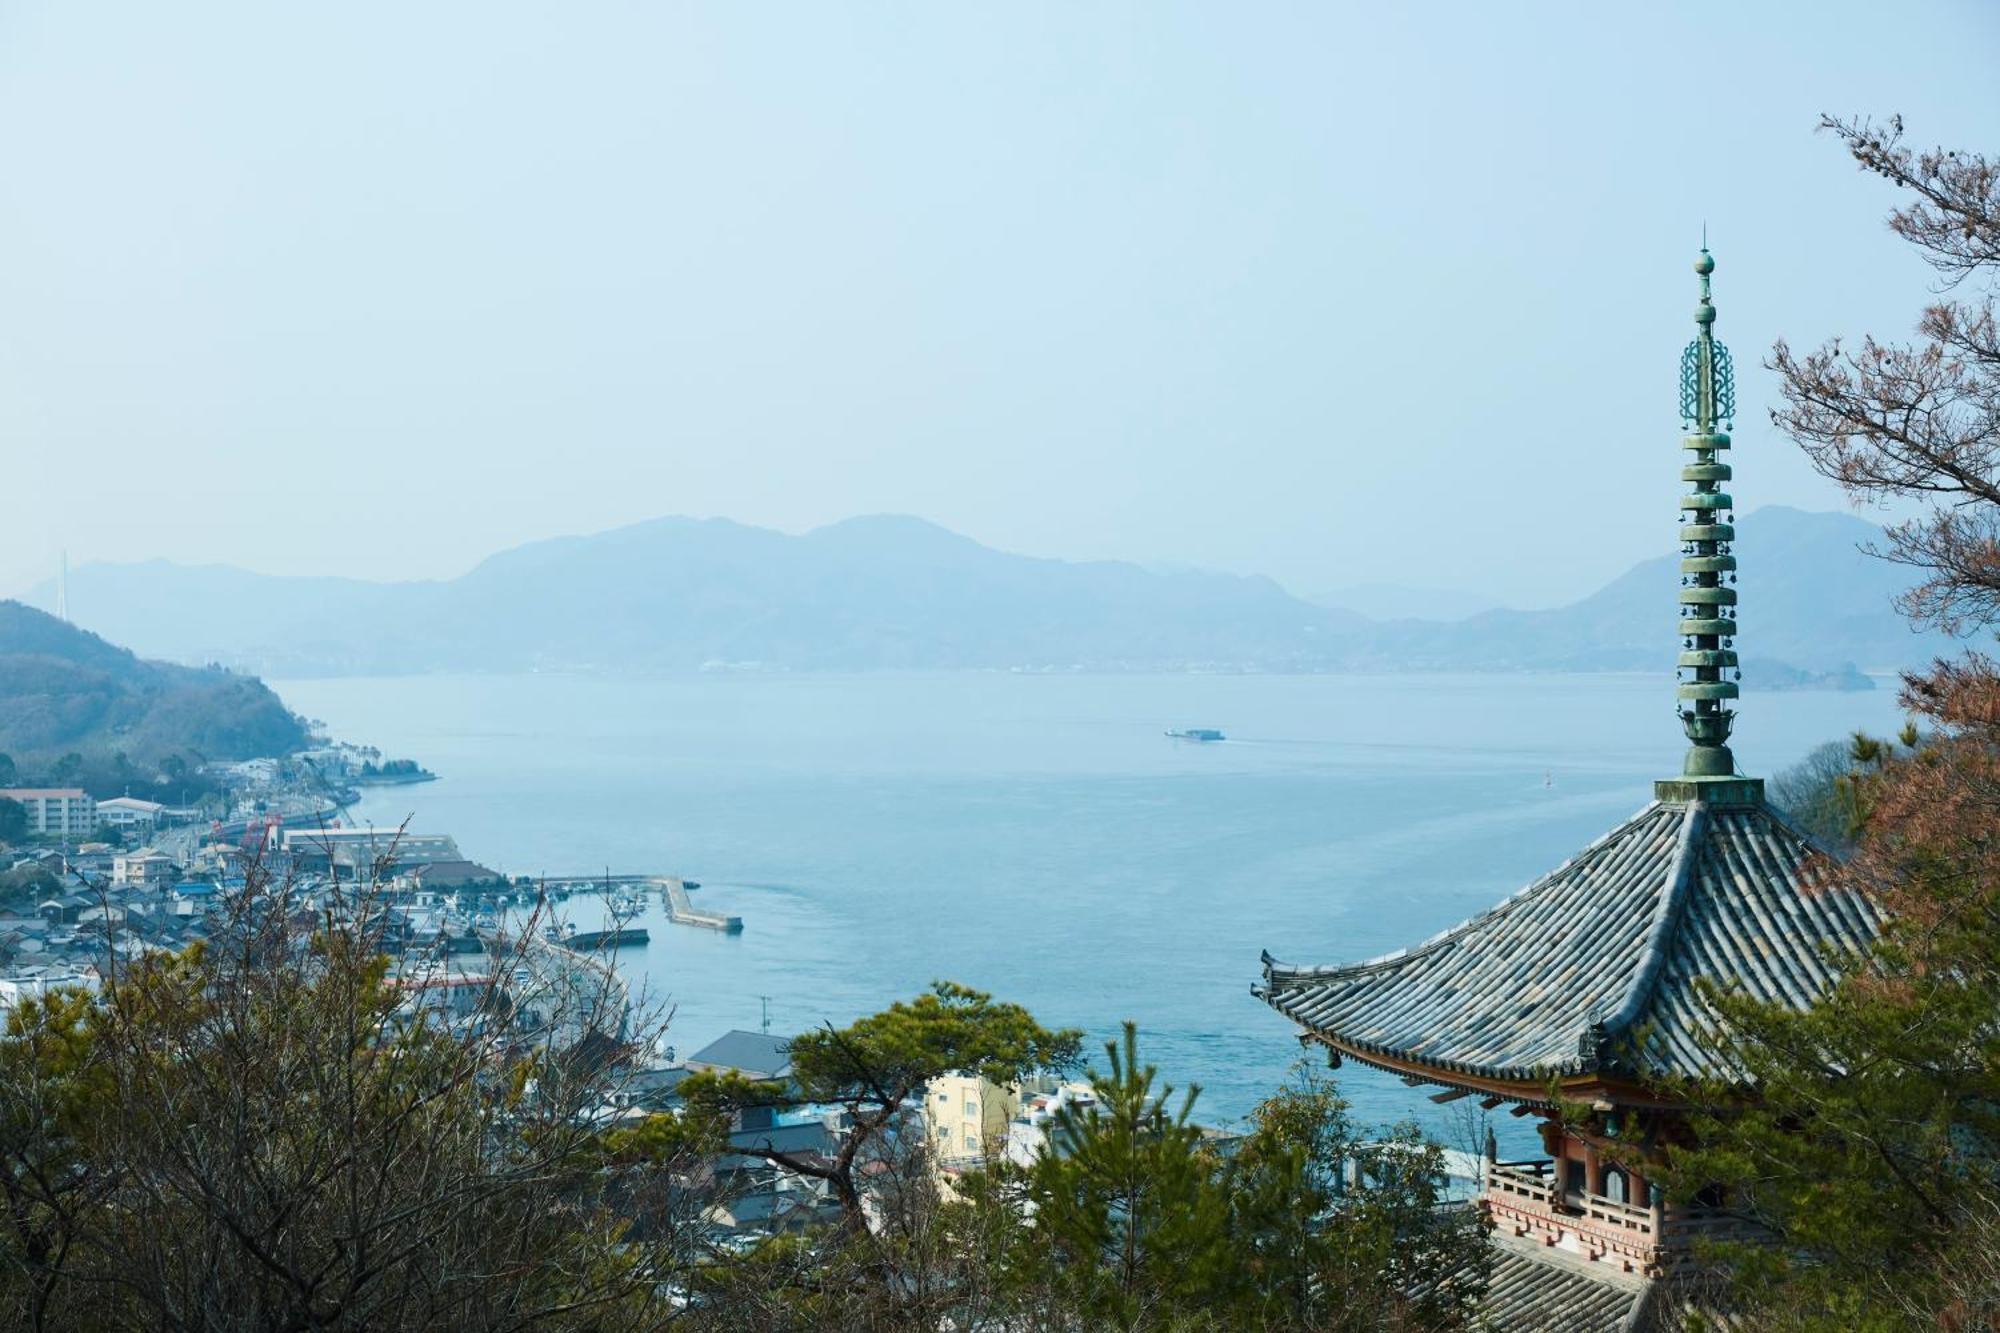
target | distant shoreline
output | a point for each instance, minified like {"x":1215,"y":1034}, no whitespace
{"x":1844,"y":679}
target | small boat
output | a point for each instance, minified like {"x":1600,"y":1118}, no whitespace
{"x":1197,"y":734}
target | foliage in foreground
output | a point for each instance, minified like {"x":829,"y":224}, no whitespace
{"x":254,"y":1134}
{"x":262,"y":1133}
{"x":874,"y":1067}
{"x":1137,"y":1219}
{"x":1826,"y":792}
{"x":1141,"y":1220}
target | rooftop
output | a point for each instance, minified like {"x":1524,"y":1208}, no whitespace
{"x":758,"y":1054}
{"x":1592,"y":968}
{"x":1548,"y":1291}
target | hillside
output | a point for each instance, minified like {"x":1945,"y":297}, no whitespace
{"x":1812,"y":598}
{"x":679,"y":594}
{"x":64,"y":690}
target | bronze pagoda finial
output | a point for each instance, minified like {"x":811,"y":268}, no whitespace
{"x":1708,"y":664}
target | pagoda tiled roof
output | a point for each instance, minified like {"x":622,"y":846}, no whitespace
{"x":1552,"y":1293}
{"x":1592,"y":968}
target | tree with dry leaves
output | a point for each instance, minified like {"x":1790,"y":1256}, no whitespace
{"x":1920,"y":421}
{"x":269,"y":1130}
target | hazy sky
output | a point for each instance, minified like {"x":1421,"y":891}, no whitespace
{"x":1338,"y":292}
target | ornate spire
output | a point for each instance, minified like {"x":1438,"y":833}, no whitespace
{"x":1708,"y":667}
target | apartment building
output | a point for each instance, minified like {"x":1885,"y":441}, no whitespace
{"x":62,"y":811}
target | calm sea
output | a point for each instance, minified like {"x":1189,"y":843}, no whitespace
{"x":1038,"y":836}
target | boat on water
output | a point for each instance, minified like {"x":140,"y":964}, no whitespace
{"x":1196,"y":734}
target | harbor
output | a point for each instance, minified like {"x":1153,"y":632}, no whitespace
{"x":623,"y":894}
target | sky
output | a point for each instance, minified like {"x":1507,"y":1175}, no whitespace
{"x":1336,"y":292}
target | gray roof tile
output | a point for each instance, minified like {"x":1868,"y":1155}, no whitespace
{"x":758,"y":1054}
{"x":1528,"y":1292}
{"x":1593,"y":966}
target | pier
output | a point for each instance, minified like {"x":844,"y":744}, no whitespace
{"x":680,"y":908}
{"x":682,"y":911}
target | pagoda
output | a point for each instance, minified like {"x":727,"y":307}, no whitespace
{"x":1580,"y":990}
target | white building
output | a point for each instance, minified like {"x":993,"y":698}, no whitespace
{"x":193,"y":897}
{"x":34,"y":983}
{"x":438,"y":990}
{"x":127,"y":812}
{"x":67,"y":811}
{"x":144,"y":868}
{"x":1028,"y":1131}
{"x":356,"y":851}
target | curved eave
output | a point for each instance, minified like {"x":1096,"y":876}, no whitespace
{"x":1544,"y":1089}
{"x":1526,"y":1083}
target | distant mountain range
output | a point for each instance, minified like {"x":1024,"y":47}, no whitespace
{"x":64,"y":691}
{"x":1402,"y":601}
{"x":679,"y":594}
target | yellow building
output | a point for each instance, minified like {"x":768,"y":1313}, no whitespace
{"x":965,"y":1121}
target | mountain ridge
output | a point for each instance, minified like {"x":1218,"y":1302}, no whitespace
{"x":889,"y":591}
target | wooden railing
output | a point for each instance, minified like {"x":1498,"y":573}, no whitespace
{"x":1535,"y":1183}
{"x":1610,"y":1212}
{"x":1529,"y":1182}
{"x":1532,"y":1186}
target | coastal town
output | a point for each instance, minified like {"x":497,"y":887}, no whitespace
{"x":94,"y":887}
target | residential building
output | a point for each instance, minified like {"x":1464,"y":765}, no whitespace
{"x":754,"y":1055}
{"x":145,"y":868}
{"x":63,"y":909}
{"x":966,"y":1118}
{"x":219,"y":858}
{"x":56,"y":811}
{"x":1028,"y":1130}
{"x":193,"y":897}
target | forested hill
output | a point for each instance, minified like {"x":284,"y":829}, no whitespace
{"x":66,"y":691}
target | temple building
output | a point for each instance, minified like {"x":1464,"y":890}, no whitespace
{"x":1581,"y":989}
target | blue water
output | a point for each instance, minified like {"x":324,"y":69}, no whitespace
{"x":1038,"y":836}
